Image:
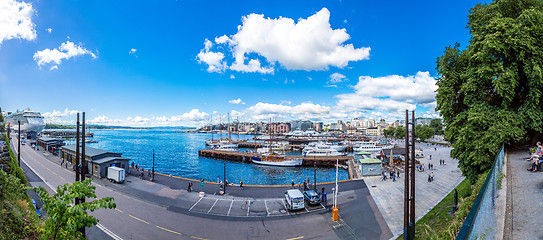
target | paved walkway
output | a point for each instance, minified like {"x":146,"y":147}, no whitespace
{"x":389,"y":196}
{"x":527,"y":197}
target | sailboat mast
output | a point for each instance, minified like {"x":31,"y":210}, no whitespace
{"x":211,"y":128}
{"x":229,"y":139}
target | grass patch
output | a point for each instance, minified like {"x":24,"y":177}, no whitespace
{"x":438,"y":224}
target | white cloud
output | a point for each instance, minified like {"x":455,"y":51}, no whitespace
{"x":55,"y":67}
{"x":133,"y":51}
{"x":49,"y":30}
{"x":308,"y":44}
{"x":390,"y":93}
{"x":214,"y":60}
{"x":16,"y":20}
{"x":236,"y":101}
{"x":66,"y":51}
{"x":232,"y":76}
{"x":337,"y":78}
{"x":304,"y":110}
{"x":331,"y":86}
{"x":56,"y":114}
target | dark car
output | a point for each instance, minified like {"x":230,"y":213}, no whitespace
{"x":312,"y":197}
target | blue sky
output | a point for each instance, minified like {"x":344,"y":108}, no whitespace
{"x":146,"y":63}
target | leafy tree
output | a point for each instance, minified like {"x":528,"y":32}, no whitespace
{"x":400,"y":132}
{"x":389,"y":132}
{"x":424,"y":132}
{"x":491,"y":92}
{"x":437,"y":126}
{"x":64,"y":218}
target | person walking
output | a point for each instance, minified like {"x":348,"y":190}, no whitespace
{"x":393,"y":177}
{"x":293,"y":183}
{"x":429,"y":179}
{"x":241,"y":184}
{"x":432,"y":177}
{"x":189,"y":188}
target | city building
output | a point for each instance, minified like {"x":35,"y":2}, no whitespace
{"x":278,"y":128}
{"x":97,"y":160}
{"x":50,"y":144}
{"x":301,"y":125}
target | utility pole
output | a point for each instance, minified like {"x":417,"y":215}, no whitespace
{"x":409,"y":187}
{"x":83,"y":167}
{"x":19,"y":145}
{"x":224,"y":177}
{"x":315,"y":175}
{"x":153,"y":177}
{"x":77,"y":136}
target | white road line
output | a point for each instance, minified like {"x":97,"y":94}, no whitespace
{"x":100,"y":226}
{"x":248,"y":207}
{"x":323,"y":207}
{"x":230,"y":207}
{"x":195,"y":204}
{"x":266,"y":203}
{"x":213,"y":205}
{"x":286,"y":209}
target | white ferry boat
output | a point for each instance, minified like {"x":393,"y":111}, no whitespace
{"x":31,"y":121}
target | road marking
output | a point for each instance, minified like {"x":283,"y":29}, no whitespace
{"x":137,"y":219}
{"x":212,"y":205}
{"x":266,"y":203}
{"x":286,"y":209}
{"x":230,"y":207}
{"x":198,"y":238}
{"x":195,"y":204}
{"x":165,"y":229}
{"x":100,"y":226}
{"x":296,"y":238}
{"x":119,"y":210}
{"x":248,"y":207}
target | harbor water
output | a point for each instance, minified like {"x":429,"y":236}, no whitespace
{"x":176,"y":153}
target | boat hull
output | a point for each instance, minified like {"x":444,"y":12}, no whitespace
{"x":287,"y":163}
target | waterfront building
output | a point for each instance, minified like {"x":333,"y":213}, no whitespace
{"x":423,"y":121}
{"x":338,"y":126}
{"x":302,"y":125}
{"x":50,"y":144}
{"x":97,"y":160}
{"x":278,"y":128}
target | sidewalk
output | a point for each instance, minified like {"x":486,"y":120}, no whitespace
{"x":526,"y":207}
{"x":389,"y":196}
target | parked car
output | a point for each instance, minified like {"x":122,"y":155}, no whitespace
{"x":312,"y":197}
{"x":294,"y":199}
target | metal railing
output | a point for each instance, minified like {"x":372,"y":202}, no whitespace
{"x":481,"y":220}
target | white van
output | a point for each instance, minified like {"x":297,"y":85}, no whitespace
{"x":294,"y":199}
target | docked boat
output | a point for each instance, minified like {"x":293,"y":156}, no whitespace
{"x":323,"y":152}
{"x":31,"y":121}
{"x":370,"y":147}
{"x":273,"y":159}
{"x":227,"y":147}
{"x":323,"y":146}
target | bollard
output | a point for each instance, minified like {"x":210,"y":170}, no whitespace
{"x":335,"y":213}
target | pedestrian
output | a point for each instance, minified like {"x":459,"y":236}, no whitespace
{"x":322,"y":192}
{"x":241,"y":184}
{"x":429,"y":167}
{"x":435,"y":149}
{"x":393,"y":177}
{"x":305,"y":185}
{"x":432,"y":177}
{"x":429,"y":179}
{"x":132,"y":164}
{"x":189,"y":188}
{"x":137,"y":169}
{"x":398,"y":173}
{"x":292,"y":183}
{"x":384,"y":176}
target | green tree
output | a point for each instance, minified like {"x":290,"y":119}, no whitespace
{"x":491,"y":92}
{"x":400,"y":132}
{"x":424,"y":132}
{"x":437,"y":126}
{"x":389,"y":132}
{"x":64,"y":218}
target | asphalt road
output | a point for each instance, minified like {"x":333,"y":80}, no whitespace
{"x":138,"y":216}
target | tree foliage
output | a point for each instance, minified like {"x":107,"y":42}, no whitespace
{"x":491,"y":92}
{"x":437,"y":126}
{"x":64,"y":218}
{"x":424,"y":132}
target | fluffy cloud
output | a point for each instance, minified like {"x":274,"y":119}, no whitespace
{"x":309,"y":44}
{"x":49,"y":30}
{"x":337,"y":78}
{"x":304,"y":110}
{"x":214,"y":60}
{"x":56,"y":114}
{"x":66,"y":51}
{"x":132,"y":51}
{"x":390,"y":93}
{"x":16,"y":20}
{"x":236,"y":101}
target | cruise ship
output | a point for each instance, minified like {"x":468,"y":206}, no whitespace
{"x":31,"y":121}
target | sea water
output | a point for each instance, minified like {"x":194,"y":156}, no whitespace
{"x":176,"y":153}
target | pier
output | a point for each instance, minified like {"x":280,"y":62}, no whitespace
{"x":319,"y":161}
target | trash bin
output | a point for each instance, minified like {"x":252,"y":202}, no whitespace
{"x":324,"y":197}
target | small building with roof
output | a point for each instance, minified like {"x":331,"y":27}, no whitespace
{"x":370,"y":167}
{"x":97,"y":160}
{"x":50,"y":144}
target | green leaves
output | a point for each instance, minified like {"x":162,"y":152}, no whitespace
{"x":491,"y":92}
{"x":64,"y":218}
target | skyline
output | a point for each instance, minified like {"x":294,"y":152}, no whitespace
{"x":177,"y":63}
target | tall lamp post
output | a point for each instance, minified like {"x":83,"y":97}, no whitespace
{"x":224,"y":177}
{"x":19,"y":145}
{"x":153,"y":177}
{"x":315,"y":175}
{"x":335,"y":210}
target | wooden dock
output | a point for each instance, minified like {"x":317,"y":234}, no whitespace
{"x":321,"y":161}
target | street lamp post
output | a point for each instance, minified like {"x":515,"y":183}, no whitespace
{"x":19,"y":145}
{"x":153,"y":177}
{"x":224,"y":177}
{"x":315,"y":175}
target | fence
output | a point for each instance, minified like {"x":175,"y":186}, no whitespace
{"x":481,"y":220}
